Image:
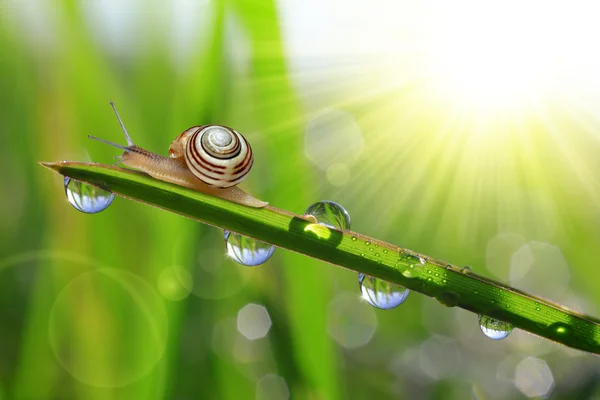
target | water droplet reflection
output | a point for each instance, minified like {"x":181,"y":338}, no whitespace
{"x":87,"y":198}
{"x":493,"y":328}
{"x":381,"y":294}
{"x":247,"y":251}
{"x":329,"y":214}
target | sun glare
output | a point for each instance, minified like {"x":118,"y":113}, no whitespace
{"x":504,"y":56}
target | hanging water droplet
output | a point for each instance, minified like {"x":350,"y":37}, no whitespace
{"x":381,"y":294}
{"x":87,"y":198}
{"x":330,"y":214}
{"x":247,"y":251}
{"x":493,"y":328}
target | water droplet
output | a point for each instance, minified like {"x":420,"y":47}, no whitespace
{"x":410,"y":272}
{"x":493,"y":328}
{"x":385,"y":251}
{"x":368,"y":243}
{"x":466,"y":270}
{"x":381,"y":294}
{"x":376,"y":254}
{"x":87,"y":198}
{"x":247,"y":251}
{"x":354,"y":238}
{"x":412,"y":259}
{"x":330,"y":214}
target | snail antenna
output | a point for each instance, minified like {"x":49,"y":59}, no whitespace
{"x":127,"y":137}
{"x":117,"y":145}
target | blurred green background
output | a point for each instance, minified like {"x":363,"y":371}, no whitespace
{"x":463,"y":131}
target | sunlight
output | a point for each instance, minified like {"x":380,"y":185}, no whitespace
{"x":507,"y":55}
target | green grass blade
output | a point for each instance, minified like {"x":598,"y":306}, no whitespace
{"x":450,"y":285}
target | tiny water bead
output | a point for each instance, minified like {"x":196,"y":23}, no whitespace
{"x":412,"y":259}
{"x":493,"y":328}
{"x":330,"y":214}
{"x":247,"y":251}
{"x":87,"y":198}
{"x":381,"y":294}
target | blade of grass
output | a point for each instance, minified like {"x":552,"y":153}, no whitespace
{"x":450,"y":285}
{"x":277,"y":113}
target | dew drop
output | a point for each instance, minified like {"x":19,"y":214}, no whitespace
{"x":412,"y":259}
{"x":493,"y":328}
{"x":466,"y":270}
{"x":410,"y":272}
{"x":354,"y":238}
{"x":330,"y":214}
{"x":247,"y":251}
{"x":381,"y":294}
{"x":87,"y":198}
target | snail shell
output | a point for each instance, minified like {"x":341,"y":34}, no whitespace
{"x":211,"y":159}
{"x":217,"y":155}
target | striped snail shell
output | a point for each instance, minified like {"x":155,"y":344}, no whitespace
{"x":210,"y":159}
{"x":217,"y":155}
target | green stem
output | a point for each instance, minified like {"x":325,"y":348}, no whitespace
{"x":450,"y":285}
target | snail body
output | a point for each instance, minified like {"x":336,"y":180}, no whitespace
{"x":211,"y":159}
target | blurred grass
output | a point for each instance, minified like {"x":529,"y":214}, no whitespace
{"x":57,"y":75}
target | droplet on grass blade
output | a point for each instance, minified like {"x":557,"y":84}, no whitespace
{"x":493,"y":328}
{"x":87,"y":198}
{"x":381,"y":294}
{"x":247,"y":251}
{"x":330,"y":214}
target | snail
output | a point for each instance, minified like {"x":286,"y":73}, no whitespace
{"x":211,"y":159}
